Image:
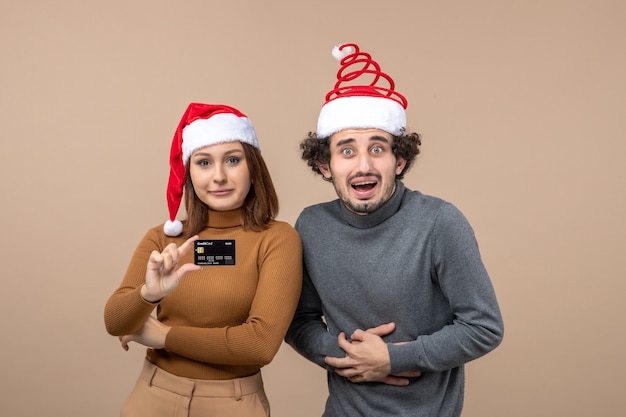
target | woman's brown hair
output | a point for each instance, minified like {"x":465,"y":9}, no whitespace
{"x":259,"y":208}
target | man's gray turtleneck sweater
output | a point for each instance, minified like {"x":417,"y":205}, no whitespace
{"x":415,"y":262}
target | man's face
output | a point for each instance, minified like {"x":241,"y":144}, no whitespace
{"x":363,"y":168}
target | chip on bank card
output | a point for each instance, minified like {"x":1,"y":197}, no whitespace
{"x":214,"y":252}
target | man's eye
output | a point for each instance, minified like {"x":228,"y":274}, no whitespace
{"x":377,"y":149}
{"x":347,"y":151}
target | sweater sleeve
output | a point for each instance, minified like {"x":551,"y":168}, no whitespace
{"x":257,"y":340}
{"x":308,"y":334}
{"x":477,"y":326}
{"x":126,"y":311}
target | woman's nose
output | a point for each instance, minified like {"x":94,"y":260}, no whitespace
{"x":219,"y":174}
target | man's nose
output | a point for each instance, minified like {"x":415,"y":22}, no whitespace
{"x":364,"y":163}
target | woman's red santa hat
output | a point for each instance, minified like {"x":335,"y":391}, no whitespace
{"x":201,"y":125}
{"x":363,"y":97}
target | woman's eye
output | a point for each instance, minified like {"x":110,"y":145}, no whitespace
{"x":203,"y":163}
{"x":232,"y":160}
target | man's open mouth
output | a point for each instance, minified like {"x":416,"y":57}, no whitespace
{"x":363,"y":186}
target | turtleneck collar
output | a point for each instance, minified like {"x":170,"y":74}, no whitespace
{"x":388,"y":209}
{"x":225,"y":219}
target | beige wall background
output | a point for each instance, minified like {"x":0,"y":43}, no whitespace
{"x":520,"y":104}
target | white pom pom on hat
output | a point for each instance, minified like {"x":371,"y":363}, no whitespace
{"x":201,"y":125}
{"x":173,"y":228}
{"x":341,"y":51}
{"x":363,"y":96}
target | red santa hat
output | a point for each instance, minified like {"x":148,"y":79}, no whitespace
{"x":363,"y":96}
{"x":201,"y":125}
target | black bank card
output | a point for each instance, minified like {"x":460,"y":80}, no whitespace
{"x":214,"y":252}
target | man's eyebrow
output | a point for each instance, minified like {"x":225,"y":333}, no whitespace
{"x":377,"y":138}
{"x":344,"y":141}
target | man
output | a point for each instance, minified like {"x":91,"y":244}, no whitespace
{"x":395,"y":296}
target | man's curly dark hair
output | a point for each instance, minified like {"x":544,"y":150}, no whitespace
{"x":316,"y":151}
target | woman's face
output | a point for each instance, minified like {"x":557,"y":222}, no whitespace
{"x":220,"y":176}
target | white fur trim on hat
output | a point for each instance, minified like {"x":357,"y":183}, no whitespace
{"x":356,"y":112}
{"x":219,"y":128}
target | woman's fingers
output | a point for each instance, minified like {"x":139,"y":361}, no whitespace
{"x":183,"y":270}
{"x":172,"y":254}
{"x":124,"y":341}
{"x":170,"y":257}
{"x":185,"y":247}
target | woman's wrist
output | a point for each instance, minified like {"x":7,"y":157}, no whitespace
{"x":147,"y":298}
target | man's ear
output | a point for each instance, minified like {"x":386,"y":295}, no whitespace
{"x":324,"y":170}
{"x":400,"y":164}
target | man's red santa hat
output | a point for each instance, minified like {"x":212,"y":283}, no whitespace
{"x":363,"y":96}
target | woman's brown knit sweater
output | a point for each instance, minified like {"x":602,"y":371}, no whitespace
{"x":227,"y":320}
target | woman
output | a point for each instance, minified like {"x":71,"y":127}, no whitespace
{"x":223,"y":307}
